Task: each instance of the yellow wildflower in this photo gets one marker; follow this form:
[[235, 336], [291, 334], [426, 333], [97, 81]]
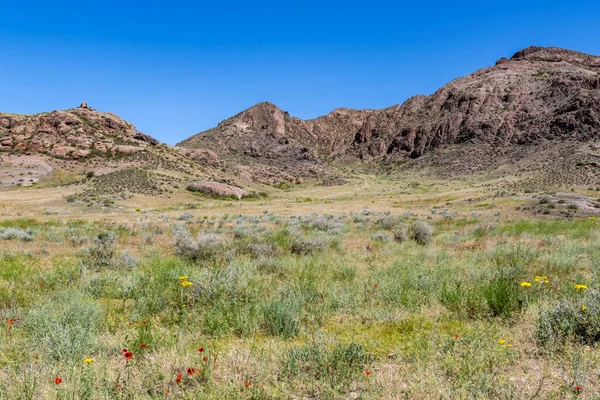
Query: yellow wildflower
[[183, 305], [583, 307], [525, 284], [579, 287], [501, 341], [183, 278], [88, 360], [186, 283], [539, 278], [509, 345]]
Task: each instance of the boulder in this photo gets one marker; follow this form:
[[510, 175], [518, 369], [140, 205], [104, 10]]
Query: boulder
[[77, 154], [124, 149], [217, 189]]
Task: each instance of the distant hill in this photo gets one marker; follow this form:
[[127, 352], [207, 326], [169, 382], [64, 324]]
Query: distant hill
[[538, 95]]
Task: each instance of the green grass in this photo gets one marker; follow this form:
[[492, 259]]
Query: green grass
[[315, 306]]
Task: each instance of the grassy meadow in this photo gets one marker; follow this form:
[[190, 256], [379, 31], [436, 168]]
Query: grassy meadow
[[347, 299]]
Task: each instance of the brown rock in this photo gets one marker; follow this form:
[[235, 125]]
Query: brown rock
[[77, 154], [216, 189]]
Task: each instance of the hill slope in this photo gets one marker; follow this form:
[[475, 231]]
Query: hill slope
[[539, 94]]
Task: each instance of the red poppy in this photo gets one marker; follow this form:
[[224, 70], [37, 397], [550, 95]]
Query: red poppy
[[144, 345], [58, 381], [10, 322], [456, 336], [201, 349], [128, 355], [118, 387], [248, 384], [367, 373], [190, 371], [204, 359], [375, 286], [144, 323], [579, 388], [178, 378], [123, 351], [472, 308]]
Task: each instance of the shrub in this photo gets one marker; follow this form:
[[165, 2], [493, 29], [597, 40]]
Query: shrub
[[282, 317], [15, 233], [337, 366], [421, 232], [381, 237], [503, 295], [186, 216], [303, 245], [205, 247], [570, 320], [389, 222], [103, 250], [65, 327], [400, 234]]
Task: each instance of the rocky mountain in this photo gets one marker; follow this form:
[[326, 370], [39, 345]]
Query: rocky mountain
[[82, 145], [72, 134], [538, 95]]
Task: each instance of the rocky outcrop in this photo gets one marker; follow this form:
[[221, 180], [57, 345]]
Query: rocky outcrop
[[75, 134], [216, 189]]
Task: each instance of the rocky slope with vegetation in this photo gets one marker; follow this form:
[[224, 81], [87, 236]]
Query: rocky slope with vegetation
[[538, 95]]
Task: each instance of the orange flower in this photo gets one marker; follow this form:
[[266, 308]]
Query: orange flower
[[367, 372], [128, 355], [456, 336], [10, 322], [248, 384], [58, 381]]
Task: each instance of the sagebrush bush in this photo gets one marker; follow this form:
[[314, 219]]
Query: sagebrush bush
[[205, 247], [570, 320], [400, 234], [389, 221], [421, 232], [303, 245], [15, 233], [103, 250], [65, 327], [282, 317]]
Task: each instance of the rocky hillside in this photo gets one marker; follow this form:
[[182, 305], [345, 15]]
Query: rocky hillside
[[538, 95], [72, 134]]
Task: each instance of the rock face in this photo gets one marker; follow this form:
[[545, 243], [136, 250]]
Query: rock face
[[216, 189], [537, 95], [73, 134]]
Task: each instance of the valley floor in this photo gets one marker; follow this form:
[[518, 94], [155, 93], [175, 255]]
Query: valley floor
[[374, 289]]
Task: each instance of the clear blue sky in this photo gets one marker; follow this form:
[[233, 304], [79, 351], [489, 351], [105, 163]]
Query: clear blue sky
[[175, 68]]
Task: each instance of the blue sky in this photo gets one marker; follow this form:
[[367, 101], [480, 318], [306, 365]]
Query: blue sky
[[177, 68]]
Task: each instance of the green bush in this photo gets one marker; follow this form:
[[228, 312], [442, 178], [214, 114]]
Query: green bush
[[503, 295], [336, 366], [421, 232], [282, 317], [570, 320]]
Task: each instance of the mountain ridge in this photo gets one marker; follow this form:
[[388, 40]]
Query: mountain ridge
[[540, 93]]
